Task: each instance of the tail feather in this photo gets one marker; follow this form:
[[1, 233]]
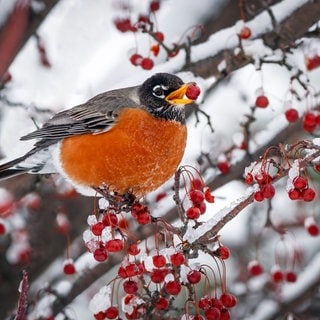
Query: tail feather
[[8, 169]]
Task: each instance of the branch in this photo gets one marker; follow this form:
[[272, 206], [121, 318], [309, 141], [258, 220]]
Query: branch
[[289, 30]]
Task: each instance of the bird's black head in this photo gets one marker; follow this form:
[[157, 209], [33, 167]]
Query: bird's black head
[[163, 96]]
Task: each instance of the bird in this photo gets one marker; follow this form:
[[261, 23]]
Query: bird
[[130, 140]]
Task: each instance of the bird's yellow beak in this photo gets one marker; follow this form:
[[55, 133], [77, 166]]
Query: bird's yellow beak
[[178, 96]]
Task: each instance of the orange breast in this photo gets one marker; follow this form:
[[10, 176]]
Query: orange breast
[[138, 154]]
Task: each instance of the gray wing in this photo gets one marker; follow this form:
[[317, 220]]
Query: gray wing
[[96, 115]]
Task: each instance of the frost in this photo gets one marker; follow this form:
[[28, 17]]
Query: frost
[[101, 300], [169, 277], [63, 287], [316, 141], [106, 234], [103, 203], [129, 302], [148, 263], [92, 219]]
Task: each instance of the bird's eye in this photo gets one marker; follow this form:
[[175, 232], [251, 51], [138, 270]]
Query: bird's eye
[[158, 91]]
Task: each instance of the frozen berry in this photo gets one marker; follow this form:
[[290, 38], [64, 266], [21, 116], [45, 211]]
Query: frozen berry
[[300, 182], [194, 276], [173, 287]]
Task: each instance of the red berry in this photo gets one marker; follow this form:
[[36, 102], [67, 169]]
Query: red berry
[[262, 101], [177, 259], [308, 194], [277, 275], [132, 269], [311, 226], [224, 167], [228, 300], [212, 313], [294, 194], [159, 261], [155, 49], [143, 218], [309, 122], [255, 268], [173, 287], [249, 178], [225, 314], [317, 167], [204, 303], [112, 313], [110, 219], [208, 195], [215, 302], [312, 63], [123, 24], [268, 191], [258, 196], [97, 228], [202, 207], [193, 213], [2, 228], [196, 196], [133, 249], [245, 33], [193, 91], [222, 253], [136, 59], [300, 182], [130, 286], [162, 304], [196, 184], [194, 276], [69, 268], [100, 315], [158, 275], [100, 254], [159, 36], [154, 5], [291, 276], [198, 317], [292, 115], [147, 63], [114, 245]]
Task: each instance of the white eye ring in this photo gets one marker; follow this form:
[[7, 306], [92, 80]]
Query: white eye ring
[[158, 91]]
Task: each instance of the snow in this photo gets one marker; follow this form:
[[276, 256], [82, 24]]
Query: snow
[[96, 59], [101, 300]]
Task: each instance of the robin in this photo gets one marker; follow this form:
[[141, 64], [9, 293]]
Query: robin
[[130, 139]]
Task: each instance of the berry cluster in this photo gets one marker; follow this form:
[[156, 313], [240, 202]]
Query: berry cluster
[[146, 24], [310, 121], [299, 189], [277, 275], [155, 276], [198, 195], [152, 283], [265, 189]]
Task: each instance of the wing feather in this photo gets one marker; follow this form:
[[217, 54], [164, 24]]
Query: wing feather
[[96, 115]]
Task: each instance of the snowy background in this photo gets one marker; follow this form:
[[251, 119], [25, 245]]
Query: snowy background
[[89, 56]]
